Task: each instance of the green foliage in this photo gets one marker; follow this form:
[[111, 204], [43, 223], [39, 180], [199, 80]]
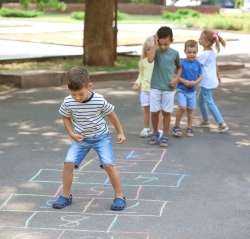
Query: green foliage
[[81, 15], [239, 3], [122, 16], [222, 22], [181, 14], [5, 12], [78, 15], [44, 4], [142, 1]]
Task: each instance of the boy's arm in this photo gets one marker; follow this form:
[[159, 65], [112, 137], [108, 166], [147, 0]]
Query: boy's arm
[[177, 78], [70, 130], [114, 120], [137, 83]]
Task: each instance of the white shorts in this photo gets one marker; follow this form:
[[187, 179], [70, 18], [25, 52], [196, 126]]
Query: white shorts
[[161, 101], [145, 98]]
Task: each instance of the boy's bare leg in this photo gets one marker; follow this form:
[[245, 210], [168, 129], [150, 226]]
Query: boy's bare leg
[[146, 116], [179, 114], [189, 118], [114, 178], [155, 121], [67, 178], [166, 122]]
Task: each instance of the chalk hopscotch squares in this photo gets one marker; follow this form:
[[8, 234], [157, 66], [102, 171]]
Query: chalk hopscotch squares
[[86, 212], [99, 206]]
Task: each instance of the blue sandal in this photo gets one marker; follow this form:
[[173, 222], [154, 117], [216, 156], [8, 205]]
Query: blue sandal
[[62, 202], [119, 204], [164, 141]]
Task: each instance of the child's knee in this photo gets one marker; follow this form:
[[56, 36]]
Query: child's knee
[[166, 114], [182, 109], [108, 167], [69, 166]]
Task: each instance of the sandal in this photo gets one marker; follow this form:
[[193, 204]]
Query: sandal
[[62, 202], [118, 204]]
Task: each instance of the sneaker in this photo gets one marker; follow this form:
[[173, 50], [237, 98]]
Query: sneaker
[[62, 202], [164, 141], [176, 131], [145, 132], [204, 124], [190, 132], [223, 128], [154, 139]]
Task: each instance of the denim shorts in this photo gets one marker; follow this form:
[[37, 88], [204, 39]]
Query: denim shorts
[[186, 99], [102, 144]]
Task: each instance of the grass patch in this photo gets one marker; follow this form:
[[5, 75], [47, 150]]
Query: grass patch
[[81, 15], [181, 14], [190, 18], [123, 63], [78, 15], [5, 12]]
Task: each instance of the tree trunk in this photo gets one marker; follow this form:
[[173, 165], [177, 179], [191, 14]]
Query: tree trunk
[[99, 33]]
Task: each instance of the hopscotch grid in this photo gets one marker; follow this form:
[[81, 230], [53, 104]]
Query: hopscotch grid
[[101, 172], [79, 172], [61, 234], [88, 205], [6, 201], [121, 214], [112, 224], [30, 218], [87, 163], [124, 184], [163, 207], [161, 159], [77, 230], [36, 175], [83, 197]]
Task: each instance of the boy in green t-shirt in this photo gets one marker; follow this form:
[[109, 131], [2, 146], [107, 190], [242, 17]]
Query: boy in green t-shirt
[[165, 76]]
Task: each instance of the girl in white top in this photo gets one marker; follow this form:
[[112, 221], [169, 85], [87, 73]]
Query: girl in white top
[[143, 81], [211, 79]]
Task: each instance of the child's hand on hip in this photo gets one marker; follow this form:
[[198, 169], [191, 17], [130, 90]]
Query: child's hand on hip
[[77, 137], [120, 138]]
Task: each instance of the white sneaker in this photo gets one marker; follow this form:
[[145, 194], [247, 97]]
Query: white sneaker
[[145, 133], [223, 128]]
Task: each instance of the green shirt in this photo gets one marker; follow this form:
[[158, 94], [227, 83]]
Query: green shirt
[[145, 74], [165, 67]]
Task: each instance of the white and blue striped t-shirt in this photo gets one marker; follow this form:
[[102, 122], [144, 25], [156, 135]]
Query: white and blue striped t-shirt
[[88, 116]]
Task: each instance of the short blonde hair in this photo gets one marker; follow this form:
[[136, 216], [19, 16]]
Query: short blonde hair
[[190, 43], [148, 43]]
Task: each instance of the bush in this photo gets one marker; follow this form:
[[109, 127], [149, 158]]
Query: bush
[[78, 15], [121, 16], [5, 12], [181, 14], [239, 3], [44, 4]]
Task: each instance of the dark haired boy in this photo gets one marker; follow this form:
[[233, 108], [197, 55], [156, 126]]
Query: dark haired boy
[[163, 82], [83, 113]]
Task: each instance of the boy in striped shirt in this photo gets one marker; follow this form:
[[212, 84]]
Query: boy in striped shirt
[[83, 113]]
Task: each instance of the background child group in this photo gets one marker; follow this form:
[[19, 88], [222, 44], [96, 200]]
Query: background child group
[[162, 73]]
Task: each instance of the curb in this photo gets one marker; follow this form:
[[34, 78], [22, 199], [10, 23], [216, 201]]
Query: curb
[[36, 79]]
